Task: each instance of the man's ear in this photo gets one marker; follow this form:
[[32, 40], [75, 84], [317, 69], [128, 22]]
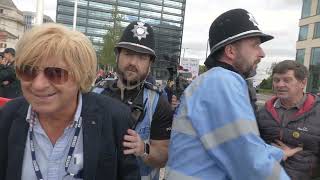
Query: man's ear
[[304, 83], [230, 51]]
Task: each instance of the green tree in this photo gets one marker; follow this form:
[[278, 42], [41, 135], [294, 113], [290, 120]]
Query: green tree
[[107, 57], [267, 83], [202, 69]]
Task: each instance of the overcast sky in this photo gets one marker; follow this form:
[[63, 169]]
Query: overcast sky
[[279, 18]]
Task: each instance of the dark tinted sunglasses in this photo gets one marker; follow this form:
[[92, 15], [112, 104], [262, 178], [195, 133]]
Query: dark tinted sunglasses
[[54, 74]]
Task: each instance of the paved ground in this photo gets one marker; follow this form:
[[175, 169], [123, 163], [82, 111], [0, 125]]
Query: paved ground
[[262, 98]]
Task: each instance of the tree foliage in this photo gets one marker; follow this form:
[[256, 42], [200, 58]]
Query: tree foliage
[[202, 69], [267, 83], [107, 57]]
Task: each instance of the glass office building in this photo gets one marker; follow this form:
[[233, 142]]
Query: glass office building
[[308, 44], [165, 16]]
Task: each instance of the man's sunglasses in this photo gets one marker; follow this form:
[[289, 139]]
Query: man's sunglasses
[[54, 74]]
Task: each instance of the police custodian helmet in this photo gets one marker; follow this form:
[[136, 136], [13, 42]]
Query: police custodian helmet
[[138, 37], [232, 26]]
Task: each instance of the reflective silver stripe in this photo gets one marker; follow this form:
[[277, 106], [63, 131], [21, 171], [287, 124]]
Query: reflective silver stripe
[[175, 175], [275, 174], [182, 124], [233, 37], [228, 132], [138, 45]]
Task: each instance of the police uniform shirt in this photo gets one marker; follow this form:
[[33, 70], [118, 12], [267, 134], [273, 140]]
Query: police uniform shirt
[[162, 117]]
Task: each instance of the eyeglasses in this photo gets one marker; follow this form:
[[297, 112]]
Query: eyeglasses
[[54, 74]]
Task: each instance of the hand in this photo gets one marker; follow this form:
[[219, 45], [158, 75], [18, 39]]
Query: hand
[[174, 102], [288, 152], [133, 143]]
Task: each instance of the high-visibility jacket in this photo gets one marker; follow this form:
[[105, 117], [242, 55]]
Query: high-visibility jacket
[[215, 134]]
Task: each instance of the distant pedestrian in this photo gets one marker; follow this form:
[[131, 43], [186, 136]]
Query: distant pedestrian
[[9, 83]]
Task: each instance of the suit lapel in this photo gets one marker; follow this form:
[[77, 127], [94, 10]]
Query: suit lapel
[[17, 140], [91, 133]]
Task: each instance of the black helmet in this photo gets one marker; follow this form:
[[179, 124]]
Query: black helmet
[[232, 26], [138, 37]]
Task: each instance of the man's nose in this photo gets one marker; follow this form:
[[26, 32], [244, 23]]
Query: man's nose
[[40, 81]]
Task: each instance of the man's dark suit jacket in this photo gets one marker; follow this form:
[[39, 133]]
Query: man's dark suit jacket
[[105, 121]]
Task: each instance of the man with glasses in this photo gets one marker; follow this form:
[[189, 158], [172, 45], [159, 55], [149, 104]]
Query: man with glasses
[[149, 138], [59, 130]]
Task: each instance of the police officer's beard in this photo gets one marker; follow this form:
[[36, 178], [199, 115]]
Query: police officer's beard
[[131, 83], [243, 67]]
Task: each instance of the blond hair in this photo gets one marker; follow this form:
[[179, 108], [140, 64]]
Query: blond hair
[[54, 40]]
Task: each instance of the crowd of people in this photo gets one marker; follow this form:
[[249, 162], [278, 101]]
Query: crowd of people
[[63, 123]]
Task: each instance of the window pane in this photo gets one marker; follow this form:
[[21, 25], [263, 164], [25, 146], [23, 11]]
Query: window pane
[[129, 17], [150, 14], [101, 6], [318, 7], [128, 3], [315, 56], [81, 29], [300, 56], [97, 14], [172, 10], [303, 34], [151, 7], [128, 10], [96, 31], [150, 21], [171, 17], [316, 33], [306, 8], [173, 3]]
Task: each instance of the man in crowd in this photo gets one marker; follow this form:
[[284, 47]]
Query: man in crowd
[[9, 84], [148, 140], [58, 130], [214, 132], [290, 120]]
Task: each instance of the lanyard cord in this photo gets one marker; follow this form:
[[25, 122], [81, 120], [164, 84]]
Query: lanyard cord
[[70, 153]]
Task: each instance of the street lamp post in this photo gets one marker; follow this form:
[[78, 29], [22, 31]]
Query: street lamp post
[[184, 50], [39, 17], [75, 15]]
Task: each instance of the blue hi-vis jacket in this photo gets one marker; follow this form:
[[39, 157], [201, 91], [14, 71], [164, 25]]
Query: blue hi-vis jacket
[[143, 129], [215, 134]]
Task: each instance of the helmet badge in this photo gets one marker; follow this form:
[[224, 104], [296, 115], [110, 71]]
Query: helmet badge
[[140, 31], [252, 19]]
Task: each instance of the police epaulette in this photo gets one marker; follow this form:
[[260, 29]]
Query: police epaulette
[[153, 87]]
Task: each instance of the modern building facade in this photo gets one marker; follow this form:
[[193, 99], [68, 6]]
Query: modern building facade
[[11, 24], [308, 44], [30, 19], [94, 17]]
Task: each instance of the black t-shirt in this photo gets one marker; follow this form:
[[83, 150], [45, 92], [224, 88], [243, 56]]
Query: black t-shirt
[[162, 117]]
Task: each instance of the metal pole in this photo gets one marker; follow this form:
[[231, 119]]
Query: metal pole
[[39, 17], [75, 15], [184, 50]]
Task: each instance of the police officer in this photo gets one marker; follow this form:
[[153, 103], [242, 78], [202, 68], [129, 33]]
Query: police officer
[[214, 133], [152, 113], [9, 84]]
